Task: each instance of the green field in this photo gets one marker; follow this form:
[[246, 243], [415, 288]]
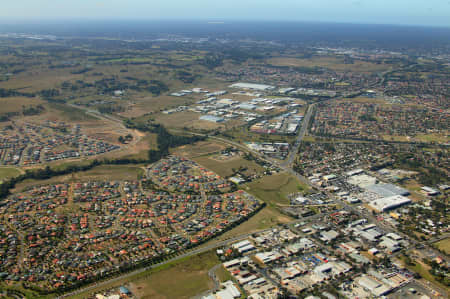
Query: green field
[[184, 278], [71, 113], [274, 189], [226, 168], [111, 172], [444, 245], [8, 172]]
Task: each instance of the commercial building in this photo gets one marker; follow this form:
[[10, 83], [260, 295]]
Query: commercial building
[[389, 203], [211, 118], [387, 190], [259, 87]]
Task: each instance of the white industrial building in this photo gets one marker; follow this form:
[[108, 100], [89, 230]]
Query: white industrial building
[[259, 87], [389, 203]]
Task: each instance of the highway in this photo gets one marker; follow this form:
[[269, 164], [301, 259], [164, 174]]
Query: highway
[[302, 132]]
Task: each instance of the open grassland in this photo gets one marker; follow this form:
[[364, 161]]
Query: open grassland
[[14, 104], [199, 149], [333, 63], [183, 278], [228, 167], [111, 172], [444, 245], [154, 104], [140, 150], [433, 137], [186, 119], [67, 113], [274, 189], [8, 172]]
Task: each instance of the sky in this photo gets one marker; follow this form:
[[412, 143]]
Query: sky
[[407, 12]]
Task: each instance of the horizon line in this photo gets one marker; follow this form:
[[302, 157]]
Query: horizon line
[[71, 20]]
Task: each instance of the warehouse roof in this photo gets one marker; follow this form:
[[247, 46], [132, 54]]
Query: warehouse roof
[[386, 190]]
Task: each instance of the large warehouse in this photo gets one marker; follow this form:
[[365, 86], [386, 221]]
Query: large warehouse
[[387, 190], [259, 87], [388, 203]]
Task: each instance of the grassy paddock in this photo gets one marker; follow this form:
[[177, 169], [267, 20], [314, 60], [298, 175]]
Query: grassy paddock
[[8, 172], [444, 245], [274, 189], [179, 279], [225, 168]]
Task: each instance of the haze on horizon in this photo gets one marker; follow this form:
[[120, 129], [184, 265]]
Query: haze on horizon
[[399, 12]]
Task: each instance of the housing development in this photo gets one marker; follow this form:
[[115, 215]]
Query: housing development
[[221, 166]]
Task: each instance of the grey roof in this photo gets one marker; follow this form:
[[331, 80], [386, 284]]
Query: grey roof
[[387, 190]]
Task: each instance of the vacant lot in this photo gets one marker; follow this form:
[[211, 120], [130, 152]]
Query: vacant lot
[[111, 172], [182, 280], [444, 245], [274, 189], [186, 119], [14, 104], [199, 149], [227, 168], [149, 104], [334, 63], [8, 172]]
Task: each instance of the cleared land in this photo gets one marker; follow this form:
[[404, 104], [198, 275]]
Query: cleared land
[[334, 63], [444, 245], [14, 104], [199, 149], [274, 189], [8, 172], [227, 168], [190, 275], [186, 119]]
